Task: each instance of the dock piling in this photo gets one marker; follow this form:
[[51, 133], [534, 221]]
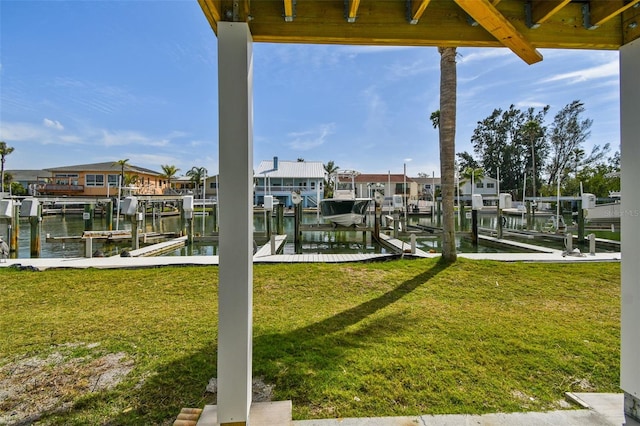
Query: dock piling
[[14, 229], [88, 247], [35, 233]]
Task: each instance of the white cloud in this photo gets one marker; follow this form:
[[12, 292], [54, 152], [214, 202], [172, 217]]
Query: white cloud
[[417, 67], [127, 137], [54, 124], [479, 54], [609, 69], [309, 139], [530, 104]]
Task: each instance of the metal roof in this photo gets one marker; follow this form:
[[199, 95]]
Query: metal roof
[[291, 169]]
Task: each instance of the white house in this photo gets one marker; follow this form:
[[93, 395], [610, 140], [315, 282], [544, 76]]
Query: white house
[[281, 178], [485, 186]]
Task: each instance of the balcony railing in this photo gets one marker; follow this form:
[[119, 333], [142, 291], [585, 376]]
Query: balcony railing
[[285, 188], [51, 187]]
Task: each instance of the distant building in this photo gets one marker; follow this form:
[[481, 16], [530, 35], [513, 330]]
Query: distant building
[[387, 184], [101, 180], [485, 186], [428, 187], [183, 185], [29, 179], [281, 178]]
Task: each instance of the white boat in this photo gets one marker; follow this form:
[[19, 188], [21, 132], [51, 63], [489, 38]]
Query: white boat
[[606, 213], [344, 208]]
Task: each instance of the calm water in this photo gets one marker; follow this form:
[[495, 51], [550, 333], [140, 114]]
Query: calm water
[[313, 242]]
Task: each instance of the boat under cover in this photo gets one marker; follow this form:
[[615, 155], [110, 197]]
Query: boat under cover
[[343, 211]]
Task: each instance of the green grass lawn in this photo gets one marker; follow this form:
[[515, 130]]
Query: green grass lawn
[[348, 340], [608, 235]]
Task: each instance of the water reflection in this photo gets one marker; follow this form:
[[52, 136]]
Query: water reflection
[[312, 242]]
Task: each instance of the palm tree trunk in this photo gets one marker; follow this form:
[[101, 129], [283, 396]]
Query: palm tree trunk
[[448, 85]]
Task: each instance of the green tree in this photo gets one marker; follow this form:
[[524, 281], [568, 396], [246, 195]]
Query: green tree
[[466, 160], [534, 134], [130, 179], [168, 172], [123, 164], [502, 142], [196, 175], [470, 174], [446, 123], [330, 169], [18, 189], [435, 118], [4, 151], [568, 132]]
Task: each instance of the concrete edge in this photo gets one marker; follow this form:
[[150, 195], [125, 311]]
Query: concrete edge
[[572, 397]]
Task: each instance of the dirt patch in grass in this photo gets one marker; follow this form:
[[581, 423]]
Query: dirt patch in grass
[[33, 386]]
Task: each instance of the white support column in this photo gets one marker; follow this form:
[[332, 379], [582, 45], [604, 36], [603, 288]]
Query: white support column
[[235, 98], [630, 225]]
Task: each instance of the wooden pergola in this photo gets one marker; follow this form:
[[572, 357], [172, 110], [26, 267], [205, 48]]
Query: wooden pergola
[[523, 26]]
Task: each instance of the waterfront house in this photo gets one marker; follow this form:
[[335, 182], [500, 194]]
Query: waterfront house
[[29, 179], [185, 186], [487, 186], [428, 187], [101, 180], [387, 184], [281, 178]]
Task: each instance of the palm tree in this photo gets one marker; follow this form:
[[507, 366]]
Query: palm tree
[[446, 121], [130, 179], [122, 163], [169, 171], [4, 151], [196, 174], [435, 118], [533, 131], [471, 174], [330, 169]]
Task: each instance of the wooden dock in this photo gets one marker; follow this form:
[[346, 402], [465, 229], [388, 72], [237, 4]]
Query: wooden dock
[[402, 247], [520, 246], [265, 250], [156, 249]]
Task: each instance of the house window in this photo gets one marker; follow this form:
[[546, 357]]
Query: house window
[[479, 185], [313, 185], [400, 186], [66, 179], [112, 180], [491, 185], [94, 180]]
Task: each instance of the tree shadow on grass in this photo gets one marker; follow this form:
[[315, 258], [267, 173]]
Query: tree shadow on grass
[[309, 357], [295, 361]]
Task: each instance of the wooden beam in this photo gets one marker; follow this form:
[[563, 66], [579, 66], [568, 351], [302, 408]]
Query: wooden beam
[[352, 12], [630, 25], [211, 10], [485, 14], [288, 10], [602, 10], [542, 10], [443, 24], [417, 10]]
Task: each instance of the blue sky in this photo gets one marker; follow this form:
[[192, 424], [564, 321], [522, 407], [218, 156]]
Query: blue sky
[[84, 82]]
